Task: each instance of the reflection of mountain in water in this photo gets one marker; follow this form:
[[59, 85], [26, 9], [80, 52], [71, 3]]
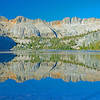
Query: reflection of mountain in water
[[67, 66]]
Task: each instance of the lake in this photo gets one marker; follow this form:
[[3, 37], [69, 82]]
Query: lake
[[50, 75]]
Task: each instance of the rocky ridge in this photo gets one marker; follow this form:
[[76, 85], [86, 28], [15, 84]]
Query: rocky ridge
[[67, 26]]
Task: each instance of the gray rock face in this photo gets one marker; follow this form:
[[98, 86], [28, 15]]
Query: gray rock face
[[66, 27], [24, 27], [3, 30], [91, 38], [45, 29], [24, 30], [1, 26]]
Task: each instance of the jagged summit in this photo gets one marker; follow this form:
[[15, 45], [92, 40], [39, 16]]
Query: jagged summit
[[20, 19], [66, 20]]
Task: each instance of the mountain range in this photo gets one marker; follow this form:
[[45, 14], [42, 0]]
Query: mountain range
[[84, 31]]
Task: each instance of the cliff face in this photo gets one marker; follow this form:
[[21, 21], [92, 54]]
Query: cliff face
[[22, 27], [76, 26], [66, 27]]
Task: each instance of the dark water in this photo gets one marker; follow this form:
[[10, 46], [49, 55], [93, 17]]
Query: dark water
[[6, 43], [50, 76], [6, 57]]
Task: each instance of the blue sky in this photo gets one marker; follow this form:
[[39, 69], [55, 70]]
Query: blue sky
[[50, 9]]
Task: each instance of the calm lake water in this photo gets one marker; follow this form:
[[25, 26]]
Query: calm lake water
[[50, 75], [6, 43]]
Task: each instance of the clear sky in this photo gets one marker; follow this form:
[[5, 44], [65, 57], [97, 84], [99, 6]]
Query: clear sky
[[50, 9]]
